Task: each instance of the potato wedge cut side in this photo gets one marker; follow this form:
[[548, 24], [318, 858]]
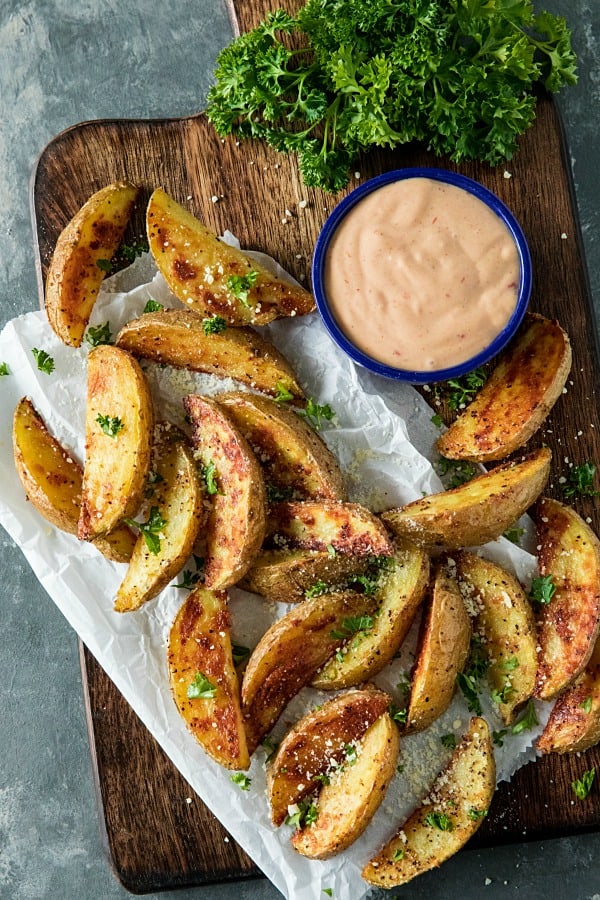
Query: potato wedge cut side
[[296, 461], [505, 622], [456, 806], [442, 651], [74, 276], [213, 278], [290, 652], [569, 552], [396, 602], [324, 524], [285, 576], [574, 723], [178, 499], [52, 481], [516, 398], [346, 805], [119, 427], [177, 337], [203, 677], [237, 517], [318, 744], [476, 512]]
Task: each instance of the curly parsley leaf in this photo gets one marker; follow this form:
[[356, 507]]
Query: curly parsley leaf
[[151, 529], [242, 780], [303, 813], [4, 370], [580, 481], [209, 474], [582, 786], [43, 360], [110, 425], [241, 285], [214, 325], [527, 721], [152, 306], [542, 589], [315, 413], [201, 688], [98, 334], [440, 821]]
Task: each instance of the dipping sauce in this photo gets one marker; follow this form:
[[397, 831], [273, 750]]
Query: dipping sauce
[[421, 275]]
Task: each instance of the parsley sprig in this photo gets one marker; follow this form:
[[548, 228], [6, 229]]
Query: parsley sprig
[[240, 286], [582, 786], [201, 688], [4, 370], [151, 529], [98, 334], [580, 481], [542, 589], [110, 425], [43, 360]]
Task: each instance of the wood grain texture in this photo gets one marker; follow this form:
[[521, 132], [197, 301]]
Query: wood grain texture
[[154, 837]]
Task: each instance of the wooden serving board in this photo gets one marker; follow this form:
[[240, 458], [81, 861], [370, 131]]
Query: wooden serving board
[[156, 838]]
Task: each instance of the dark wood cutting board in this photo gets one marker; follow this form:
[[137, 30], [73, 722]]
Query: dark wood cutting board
[[155, 836]]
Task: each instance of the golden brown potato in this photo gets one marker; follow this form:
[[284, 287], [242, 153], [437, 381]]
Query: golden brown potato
[[396, 601], [516, 398], [449, 816], [442, 651], [348, 802], [574, 723], [74, 276], [504, 620], [212, 277], [289, 654], [175, 513], [569, 552], [285, 576], [318, 744], [52, 481], [326, 524], [237, 516], [119, 426], [296, 462], [177, 337], [203, 677], [476, 512]]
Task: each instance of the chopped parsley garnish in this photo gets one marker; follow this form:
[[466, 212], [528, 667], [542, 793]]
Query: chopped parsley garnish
[[476, 814], [316, 412], [152, 306], [352, 625], [209, 473], [43, 360], [459, 470], [404, 684], [242, 780], [440, 821], [240, 285], [105, 265], [437, 420], [514, 534], [268, 743], [351, 753], [214, 325], [462, 390], [98, 334], [580, 481], [283, 395], [498, 737], [151, 529], [582, 786], [324, 779], [542, 589], [468, 681], [527, 721], [110, 425], [586, 705], [448, 741], [398, 715], [188, 580], [4, 369], [328, 891], [398, 854], [201, 688], [240, 654], [318, 588], [129, 252], [469, 688], [305, 813]]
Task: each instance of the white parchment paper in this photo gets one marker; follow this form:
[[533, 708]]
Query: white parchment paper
[[383, 436]]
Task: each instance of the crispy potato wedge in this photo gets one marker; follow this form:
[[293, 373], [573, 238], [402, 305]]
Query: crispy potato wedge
[[286, 575], [74, 276], [52, 481], [290, 652], [504, 620], [318, 744], [178, 499], [296, 462], [396, 602], [346, 805], [574, 723], [516, 398], [119, 427], [203, 677], [212, 277], [476, 512], [237, 516], [324, 524], [450, 815], [442, 651], [569, 552], [177, 337]]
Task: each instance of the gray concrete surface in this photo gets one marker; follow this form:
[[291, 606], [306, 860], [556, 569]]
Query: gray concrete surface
[[61, 63]]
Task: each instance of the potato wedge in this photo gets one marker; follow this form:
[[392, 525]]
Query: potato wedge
[[450, 815], [52, 481], [397, 599], [476, 512], [290, 652], [177, 337], [177, 503], [574, 723], [203, 677], [569, 552], [286, 575], [442, 651], [505, 622], [324, 524], [237, 516], [296, 462], [212, 277], [119, 427], [318, 744], [346, 805], [74, 276], [516, 398]]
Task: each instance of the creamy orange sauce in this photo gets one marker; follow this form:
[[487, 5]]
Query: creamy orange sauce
[[421, 275]]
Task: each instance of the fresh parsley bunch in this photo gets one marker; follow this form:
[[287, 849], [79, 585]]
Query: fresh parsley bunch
[[345, 75]]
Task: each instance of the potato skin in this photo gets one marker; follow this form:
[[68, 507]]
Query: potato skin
[[74, 277], [324, 524], [285, 576], [574, 723], [516, 398]]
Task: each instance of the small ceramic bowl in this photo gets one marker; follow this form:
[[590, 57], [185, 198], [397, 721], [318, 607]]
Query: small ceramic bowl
[[415, 376]]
